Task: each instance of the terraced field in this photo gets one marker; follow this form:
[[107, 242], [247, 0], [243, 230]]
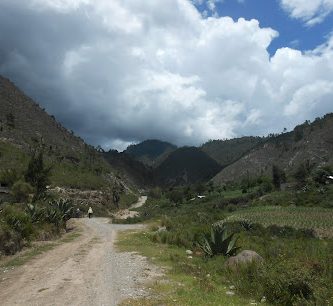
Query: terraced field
[[318, 219]]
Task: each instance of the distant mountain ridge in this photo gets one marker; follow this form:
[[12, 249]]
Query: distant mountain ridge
[[150, 152], [186, 165], [225, 152], [309, 142]]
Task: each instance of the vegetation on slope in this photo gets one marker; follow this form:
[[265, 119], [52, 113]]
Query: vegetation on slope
[[225, 152], [296, 267], [310, 143]]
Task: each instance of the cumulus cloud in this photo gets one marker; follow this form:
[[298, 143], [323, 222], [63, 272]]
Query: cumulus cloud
[[126, 70], [311, 12]]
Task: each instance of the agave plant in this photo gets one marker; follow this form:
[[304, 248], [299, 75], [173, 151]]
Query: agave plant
[[36, 214], [52, 215], [219, 242], [64, 207]]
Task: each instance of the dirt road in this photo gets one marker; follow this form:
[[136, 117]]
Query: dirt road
[[130, 213], [86, 271]]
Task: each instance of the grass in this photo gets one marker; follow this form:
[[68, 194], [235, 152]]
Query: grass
[[312, 218], [297, 267], [76, 176], [186, 281], [64, 173]]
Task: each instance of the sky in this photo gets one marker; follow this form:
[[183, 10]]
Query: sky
[[118, 72]]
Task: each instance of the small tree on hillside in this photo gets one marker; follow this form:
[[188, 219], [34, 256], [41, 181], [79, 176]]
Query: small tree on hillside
[[116, 196], [37, 174], [302, 172], [279, 176]]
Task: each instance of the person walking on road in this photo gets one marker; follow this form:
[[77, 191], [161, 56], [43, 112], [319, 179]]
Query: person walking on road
[[90, 212]]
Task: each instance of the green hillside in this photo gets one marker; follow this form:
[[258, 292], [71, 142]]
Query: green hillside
[[225, 152], [310, 144], [25, 128]]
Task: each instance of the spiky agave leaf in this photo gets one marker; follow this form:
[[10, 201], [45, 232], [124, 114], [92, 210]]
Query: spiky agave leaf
[[206, 247], [219, 242]]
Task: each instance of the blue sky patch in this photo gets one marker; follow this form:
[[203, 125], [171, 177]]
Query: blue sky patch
[[294, 33]]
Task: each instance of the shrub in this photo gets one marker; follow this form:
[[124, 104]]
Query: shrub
[[321, 174], [18, 220], [155, 193], [10, 241], [21, 191], [176, 196], [282, 283], [9, 176]]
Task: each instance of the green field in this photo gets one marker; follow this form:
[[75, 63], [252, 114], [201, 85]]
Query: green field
[[320, 220]]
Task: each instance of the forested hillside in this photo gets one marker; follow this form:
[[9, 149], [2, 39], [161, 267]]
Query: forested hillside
[[225, 152]]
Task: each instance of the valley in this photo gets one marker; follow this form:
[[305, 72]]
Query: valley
[[167, 220]]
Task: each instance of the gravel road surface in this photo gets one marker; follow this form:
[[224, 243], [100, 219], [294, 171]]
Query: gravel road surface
[[86, 271]]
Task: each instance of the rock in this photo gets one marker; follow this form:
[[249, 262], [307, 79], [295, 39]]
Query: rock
[[243, 258], [189, 252]]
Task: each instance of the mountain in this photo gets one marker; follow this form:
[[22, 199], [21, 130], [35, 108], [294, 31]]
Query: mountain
[[23, 122], [310, 143], [25, 126], [130, 169], [186, 165], [150, 152], [225, 152]]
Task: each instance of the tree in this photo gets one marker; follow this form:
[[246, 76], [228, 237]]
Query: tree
[[21, 191], [10, 120], [176, 196], [115, 196], [302, 172], [279, 176], [37, 173]]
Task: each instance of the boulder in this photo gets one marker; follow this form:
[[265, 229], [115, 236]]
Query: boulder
[[243, 258]]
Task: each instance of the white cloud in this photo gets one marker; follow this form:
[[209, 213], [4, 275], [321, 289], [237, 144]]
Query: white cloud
[[309, 11], [127, 70]]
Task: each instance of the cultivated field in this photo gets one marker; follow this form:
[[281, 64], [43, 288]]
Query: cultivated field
[[318, 219]]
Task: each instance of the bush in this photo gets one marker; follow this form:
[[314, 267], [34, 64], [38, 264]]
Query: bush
[[21, 191], [284, 283], [18, 220], [15, 229], [9, 176], [176, 196], [321, 174], [10, 241], [155, 193]]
